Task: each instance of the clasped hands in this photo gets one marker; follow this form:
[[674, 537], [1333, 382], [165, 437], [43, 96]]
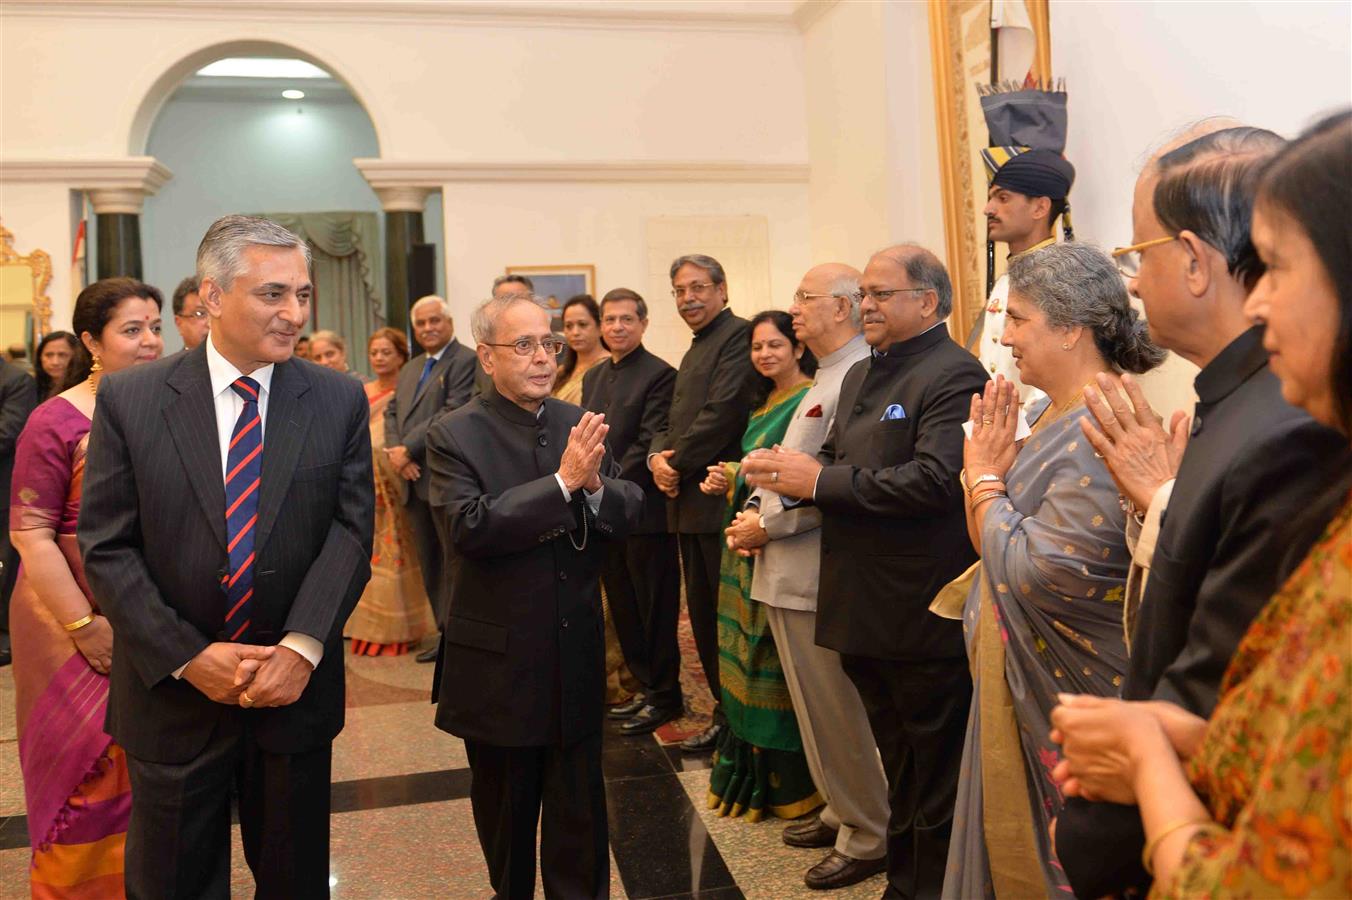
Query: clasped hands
[[1140, 455], [403, 463], [746, 534], [995, 419], [1106, 743], [249, 675], [580, 465]]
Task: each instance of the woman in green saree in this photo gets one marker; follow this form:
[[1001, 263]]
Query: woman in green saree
[[759, 766]]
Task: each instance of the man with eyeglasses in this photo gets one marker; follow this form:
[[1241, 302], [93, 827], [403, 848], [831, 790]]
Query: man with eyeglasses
[[642, 576], [841, 754], [1256, 478], [436, 381], [893, 533], [531, 502], [190, 314], [714, 391]]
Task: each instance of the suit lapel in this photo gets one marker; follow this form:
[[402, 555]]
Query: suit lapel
[[191, 420], [435, 376], [288, 423]]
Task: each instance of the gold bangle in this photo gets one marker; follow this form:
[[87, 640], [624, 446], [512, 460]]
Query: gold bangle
[[79, 623], [1153, 844]]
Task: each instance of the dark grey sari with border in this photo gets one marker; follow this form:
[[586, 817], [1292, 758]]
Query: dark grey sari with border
[[1044, 616]]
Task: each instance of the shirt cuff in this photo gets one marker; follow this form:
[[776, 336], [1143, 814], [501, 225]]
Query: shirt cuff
[[308, 647], [593, 500], [178, 673], [567, 497], [815, 481]]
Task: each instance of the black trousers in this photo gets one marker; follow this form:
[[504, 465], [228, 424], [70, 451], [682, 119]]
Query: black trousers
[[430, 557], [918, 714], [560, 788], [700, 558], [642, 576], [178, 842]]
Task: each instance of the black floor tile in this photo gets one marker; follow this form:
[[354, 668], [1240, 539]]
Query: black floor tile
[[661, 847], [13, 832], [400, 790], [687, 762], [639, 756]]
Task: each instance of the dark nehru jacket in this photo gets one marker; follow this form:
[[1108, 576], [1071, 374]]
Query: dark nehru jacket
[[893, 526], [523, 656], [635, 395], [714, 391], [1255, 488]]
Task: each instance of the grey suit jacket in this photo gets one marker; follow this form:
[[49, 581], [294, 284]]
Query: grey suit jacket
[[448, 387], [786, 574], [152, 534]]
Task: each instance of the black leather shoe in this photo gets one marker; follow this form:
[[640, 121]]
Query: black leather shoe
[[429, 655], [838, 870], [704, 741], [628, 708], [811, 833], [649, 718]]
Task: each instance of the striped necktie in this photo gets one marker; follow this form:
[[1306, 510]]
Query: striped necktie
[[243, 467]]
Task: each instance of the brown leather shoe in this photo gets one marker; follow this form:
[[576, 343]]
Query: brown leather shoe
[[838, 870], [812, 832]]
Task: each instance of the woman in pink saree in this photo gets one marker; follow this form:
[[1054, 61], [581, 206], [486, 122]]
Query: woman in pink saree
[[75, 777]]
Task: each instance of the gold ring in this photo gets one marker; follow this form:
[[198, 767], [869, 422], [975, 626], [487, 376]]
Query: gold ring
[[774, 477], [986, 421], [248, 701]]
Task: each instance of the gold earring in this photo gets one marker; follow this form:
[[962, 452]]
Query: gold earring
[[97, 367], [1065, 346]]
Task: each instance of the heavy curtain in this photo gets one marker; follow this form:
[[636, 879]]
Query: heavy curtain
[[348, 272]]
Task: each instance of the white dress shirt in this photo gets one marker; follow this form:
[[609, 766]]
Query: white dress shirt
[[229, 405]]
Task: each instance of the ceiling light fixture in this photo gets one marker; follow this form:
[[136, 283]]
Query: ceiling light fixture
[[293, 94]]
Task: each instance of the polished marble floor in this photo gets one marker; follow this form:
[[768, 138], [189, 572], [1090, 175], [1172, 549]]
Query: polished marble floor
[[402, 826]]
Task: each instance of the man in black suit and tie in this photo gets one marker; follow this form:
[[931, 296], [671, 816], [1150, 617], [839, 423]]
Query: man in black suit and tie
[[226, 530], [517, 477], [18, 397], [643, 575], [893, 533], [715, 387], [438, 380]]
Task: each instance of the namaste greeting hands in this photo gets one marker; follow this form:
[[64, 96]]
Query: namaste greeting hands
[[580, 465], [995, 418], [1139, 453]]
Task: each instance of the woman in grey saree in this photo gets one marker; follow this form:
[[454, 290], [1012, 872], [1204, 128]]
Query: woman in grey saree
[[1043, 614]]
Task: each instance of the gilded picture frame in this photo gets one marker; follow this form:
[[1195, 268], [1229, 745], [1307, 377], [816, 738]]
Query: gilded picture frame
[[25, 308], [555, 284]]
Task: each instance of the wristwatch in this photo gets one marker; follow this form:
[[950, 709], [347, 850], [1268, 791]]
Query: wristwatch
[[985, 477]]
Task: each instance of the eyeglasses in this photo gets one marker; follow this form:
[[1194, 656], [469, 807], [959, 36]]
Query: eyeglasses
[[1128, 259], [801, 297], [526, 346], [694, 289], [195, 314], [880, 296]]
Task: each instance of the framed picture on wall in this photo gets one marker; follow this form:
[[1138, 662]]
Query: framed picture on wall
[[555, 284]]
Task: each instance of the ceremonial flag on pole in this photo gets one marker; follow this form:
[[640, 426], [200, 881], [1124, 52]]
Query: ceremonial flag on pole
[[77, 257]]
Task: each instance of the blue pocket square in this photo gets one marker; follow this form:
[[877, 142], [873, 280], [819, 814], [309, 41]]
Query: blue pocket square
[[893, 412]]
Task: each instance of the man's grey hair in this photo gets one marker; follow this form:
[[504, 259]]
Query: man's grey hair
[[924, 270], [707, 263], [848, 286], [220, 255], [483, 323], [430, 300], [514, 279]]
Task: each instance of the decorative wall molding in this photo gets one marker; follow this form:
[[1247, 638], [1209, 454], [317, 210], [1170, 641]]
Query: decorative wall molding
[[747, 15], [403, 197], [143, 173], [397, 173]]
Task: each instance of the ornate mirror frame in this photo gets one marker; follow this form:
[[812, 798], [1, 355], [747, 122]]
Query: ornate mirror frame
[[23, 295]]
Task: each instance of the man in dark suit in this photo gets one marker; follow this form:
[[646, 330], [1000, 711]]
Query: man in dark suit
[[643, 575], [893, 533], [715, 388], [1254, 468], [438, 380], [226, 529], [18, 397], [518, 478]]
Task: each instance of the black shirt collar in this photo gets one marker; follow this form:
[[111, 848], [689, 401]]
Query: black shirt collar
[[509, 410], [714, 324], [1232, 366], [631, 357], [936, 335]]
